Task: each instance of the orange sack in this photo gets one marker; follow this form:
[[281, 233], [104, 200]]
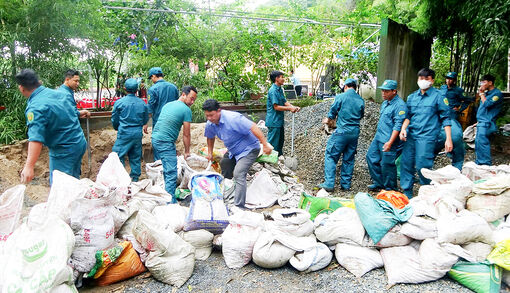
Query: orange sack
[[126, 266], [396, 198]]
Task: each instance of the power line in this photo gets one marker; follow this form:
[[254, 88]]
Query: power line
[[281, 19]]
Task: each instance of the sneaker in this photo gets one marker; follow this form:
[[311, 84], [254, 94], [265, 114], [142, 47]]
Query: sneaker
[[328, 189]]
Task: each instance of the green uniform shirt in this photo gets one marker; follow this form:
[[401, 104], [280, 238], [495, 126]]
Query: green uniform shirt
[[275, 96], [170, 121]]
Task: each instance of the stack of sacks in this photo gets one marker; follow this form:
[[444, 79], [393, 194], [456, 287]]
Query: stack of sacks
[[476, 172], [491, 197], [289, 232]]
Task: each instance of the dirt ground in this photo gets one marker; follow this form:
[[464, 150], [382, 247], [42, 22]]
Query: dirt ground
[[12, 159]]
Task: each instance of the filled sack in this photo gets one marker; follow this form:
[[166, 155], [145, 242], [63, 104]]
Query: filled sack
[[313, 259], [11, 205], [480, 277], [342, 226], [462, 228], [239, 238], [207, 209], [201, 241], [358, 260]]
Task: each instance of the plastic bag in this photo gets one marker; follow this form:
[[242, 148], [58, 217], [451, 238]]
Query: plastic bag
[[379, 216], [478, 250], [171, 260], [313, 259], [462, 228], [342, 226], [94, 228], [358, 260], [295, 222], [501, 255], [37, 258], [171, 216], [262, 192], [319, 205], [207, 209], [127, 265], [64, 190], [11, 204], [240, 237], [469, 135], [413, 264], [480, 277], [189, 167], [272, 158], [112, 173], [490, 207], [396, 198], [105, 258], [420, 227], [493, 185], [201, 241]]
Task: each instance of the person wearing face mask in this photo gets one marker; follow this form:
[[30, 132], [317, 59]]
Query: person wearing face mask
[[427, 112], [349, 107], [386, 146], [174, 116], [456, 103], [491, 101]]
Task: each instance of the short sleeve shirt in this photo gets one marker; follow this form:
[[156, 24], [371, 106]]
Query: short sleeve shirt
[[170, 121], [275, 96]]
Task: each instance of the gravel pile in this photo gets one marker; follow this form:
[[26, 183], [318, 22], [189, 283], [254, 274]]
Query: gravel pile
[[310, 144]]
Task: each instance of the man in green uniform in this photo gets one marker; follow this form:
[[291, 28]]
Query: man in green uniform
[[173, 117], [160, 93], [70, 85], [52, 120], [276, 105], [128, 117]]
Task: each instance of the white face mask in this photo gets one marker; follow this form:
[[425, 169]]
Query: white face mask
[[424, 84]]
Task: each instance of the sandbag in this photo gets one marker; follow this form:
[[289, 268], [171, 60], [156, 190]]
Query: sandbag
[[469, 135], [240, 237], [171, 260], [188, 167], [501, 255], [342, 226], [154, 172], [113, 174], [443, 175], [419, 227], [493, 185], [201, 241], [462, 228], [127, 265], [322, 205], [397, 199], [313, 259], [207, 209], [295, 222], [358, 260], [478, 250], [394, 237], [171, 216], [105, 258], [269, 253], [379, 216], [94, 229], [490, 207], [480, 277], [263, 191], [476, 172], [409, 264], [36, 258], [11, 204], [64, 190]]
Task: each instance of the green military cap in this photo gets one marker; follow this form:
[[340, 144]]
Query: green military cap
[[388, 85], [451, 74], [350, 80], [155, 70], [131, 85]]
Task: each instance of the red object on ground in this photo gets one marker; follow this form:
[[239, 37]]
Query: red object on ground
[[2, 108], [396, 198]]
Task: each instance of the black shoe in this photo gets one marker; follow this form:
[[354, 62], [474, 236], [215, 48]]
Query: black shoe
[[374, 187]]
